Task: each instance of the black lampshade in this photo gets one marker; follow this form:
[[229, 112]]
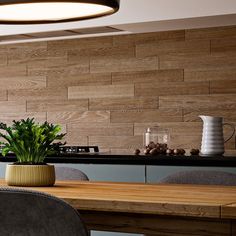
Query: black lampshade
[[54, 11]]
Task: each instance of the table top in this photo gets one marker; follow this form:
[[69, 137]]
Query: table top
[[160, 199]]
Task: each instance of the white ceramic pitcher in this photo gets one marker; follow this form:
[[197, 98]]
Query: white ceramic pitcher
[[212, 135]]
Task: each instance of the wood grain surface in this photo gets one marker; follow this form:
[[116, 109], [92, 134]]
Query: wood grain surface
[[138, 79], [157, 225], [168, 210], [177, 200]]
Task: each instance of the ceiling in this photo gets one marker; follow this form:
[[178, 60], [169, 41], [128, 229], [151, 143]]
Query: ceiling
[[134, 16]]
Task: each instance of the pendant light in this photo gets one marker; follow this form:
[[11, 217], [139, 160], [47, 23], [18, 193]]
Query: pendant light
[[54, 11]]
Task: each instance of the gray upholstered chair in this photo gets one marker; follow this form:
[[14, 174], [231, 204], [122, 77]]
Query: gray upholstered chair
[[201, 177], [31, 213], [66, 173]]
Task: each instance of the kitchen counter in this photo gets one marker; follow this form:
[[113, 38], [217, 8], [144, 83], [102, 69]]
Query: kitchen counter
[[130, 159]]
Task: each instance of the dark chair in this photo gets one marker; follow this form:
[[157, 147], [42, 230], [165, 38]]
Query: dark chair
[[66, 173], [31, 213], [201, 177]]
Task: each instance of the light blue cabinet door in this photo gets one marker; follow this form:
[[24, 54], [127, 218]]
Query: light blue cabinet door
[[156, 173], [114, 173], [2, 169]]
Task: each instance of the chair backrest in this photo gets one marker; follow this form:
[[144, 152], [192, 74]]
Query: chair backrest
[[67, 173], [31, 213], [201, 177]]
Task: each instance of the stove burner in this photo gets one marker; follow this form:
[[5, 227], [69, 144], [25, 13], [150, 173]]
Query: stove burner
[[78, 149]]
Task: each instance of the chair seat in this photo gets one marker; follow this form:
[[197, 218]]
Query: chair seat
[[67, 173], [201, 177], [31, 213]]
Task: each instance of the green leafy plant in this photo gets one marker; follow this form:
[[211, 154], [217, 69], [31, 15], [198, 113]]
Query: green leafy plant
[[31, 142]]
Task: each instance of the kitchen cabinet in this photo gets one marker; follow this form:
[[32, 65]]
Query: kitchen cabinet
[[114, 173], [106, 172], [156, 173]]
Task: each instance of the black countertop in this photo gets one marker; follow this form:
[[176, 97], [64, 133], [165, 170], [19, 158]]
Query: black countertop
[[126, 159]]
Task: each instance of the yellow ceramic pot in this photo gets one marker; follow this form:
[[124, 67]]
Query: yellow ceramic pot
[[30, 175]]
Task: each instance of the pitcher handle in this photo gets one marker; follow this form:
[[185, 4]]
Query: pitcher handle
[[233, 129]]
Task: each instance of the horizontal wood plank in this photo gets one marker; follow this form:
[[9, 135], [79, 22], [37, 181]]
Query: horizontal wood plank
[[227, 45], [133, 39], [223, 87], [167, 47], [175, 88], [23, 82], [60, 69], [221, 101], [210, 75], [79, 43], [126, 142], [136, 116], [12, 106], [123, 103], [182, 129], [147, 76], [78, 117], [192, 115], [211, 33], [37, 94], [13, 71], [34, 55], [191, 141], [103, 91], [9, 117], [58, 105], [123, 64], [101, 129], [79, 80], [26, 47], [198, 62], [114, 51]]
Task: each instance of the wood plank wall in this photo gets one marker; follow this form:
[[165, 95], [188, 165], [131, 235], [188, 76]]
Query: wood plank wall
[[105, 91]]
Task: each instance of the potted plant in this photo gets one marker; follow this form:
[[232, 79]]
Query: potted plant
[[31, 142]]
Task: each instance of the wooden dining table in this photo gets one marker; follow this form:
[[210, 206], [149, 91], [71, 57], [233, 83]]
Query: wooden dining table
[[150, 209]]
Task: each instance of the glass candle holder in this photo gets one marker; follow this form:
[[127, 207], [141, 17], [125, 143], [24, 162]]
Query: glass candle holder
[[156, 135]]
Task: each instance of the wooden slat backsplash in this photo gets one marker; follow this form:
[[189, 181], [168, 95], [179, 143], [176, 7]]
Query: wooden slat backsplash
[[106, 91]]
